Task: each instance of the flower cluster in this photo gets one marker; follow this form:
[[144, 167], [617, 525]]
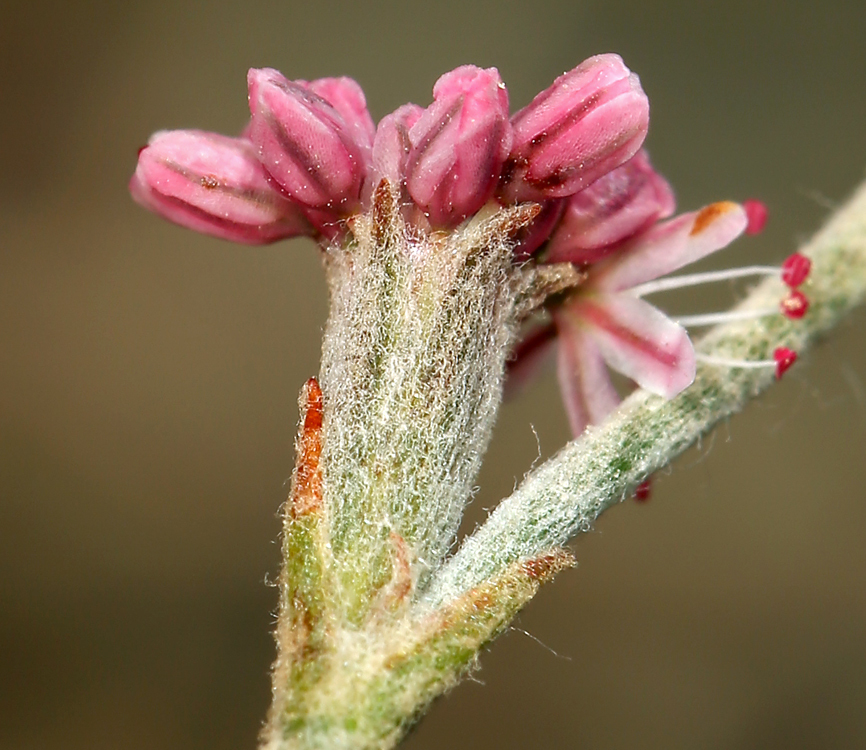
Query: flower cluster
[[311, 157], [311, 154]]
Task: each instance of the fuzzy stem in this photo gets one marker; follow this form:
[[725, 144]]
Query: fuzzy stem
[[565, 495], [390, 442]]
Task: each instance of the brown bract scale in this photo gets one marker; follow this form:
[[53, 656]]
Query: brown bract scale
[[543, 568], [306, 494]]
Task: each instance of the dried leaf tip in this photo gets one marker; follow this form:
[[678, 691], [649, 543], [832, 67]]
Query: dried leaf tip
[[306, 494]]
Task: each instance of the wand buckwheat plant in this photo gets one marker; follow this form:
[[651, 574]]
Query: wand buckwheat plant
[[460, 243]]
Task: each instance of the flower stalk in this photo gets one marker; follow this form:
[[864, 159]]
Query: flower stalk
[[389, 446]]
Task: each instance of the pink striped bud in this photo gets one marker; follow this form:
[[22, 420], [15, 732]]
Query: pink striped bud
[[615, 207], [215, 185], [586, 124], [391, 146], [317, 149], [459, 145]]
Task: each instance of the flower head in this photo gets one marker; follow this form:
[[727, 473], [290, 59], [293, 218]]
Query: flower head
[[319, 155], [311, 159]]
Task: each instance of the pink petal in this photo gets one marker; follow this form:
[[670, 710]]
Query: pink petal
[[587, 391], [670, 245], [347, 97], [638, 340]]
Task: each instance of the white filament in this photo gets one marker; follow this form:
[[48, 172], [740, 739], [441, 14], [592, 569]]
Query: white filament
[[741, 363], [711, 319], [693, 279]]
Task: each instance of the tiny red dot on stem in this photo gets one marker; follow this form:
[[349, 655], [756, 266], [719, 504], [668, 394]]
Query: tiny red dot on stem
[[643, 491]]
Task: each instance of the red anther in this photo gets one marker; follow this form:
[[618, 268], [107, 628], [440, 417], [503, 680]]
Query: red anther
[[784, 357], [795, 269], [756, 213], [795, 305], [643, 491]]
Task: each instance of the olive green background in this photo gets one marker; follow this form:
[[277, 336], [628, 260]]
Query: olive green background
[[148, 382]]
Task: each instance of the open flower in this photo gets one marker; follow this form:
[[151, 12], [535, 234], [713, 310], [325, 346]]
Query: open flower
[[605, 323]]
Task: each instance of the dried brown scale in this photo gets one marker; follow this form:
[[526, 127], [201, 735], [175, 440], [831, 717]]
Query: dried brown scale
[[307, 486]]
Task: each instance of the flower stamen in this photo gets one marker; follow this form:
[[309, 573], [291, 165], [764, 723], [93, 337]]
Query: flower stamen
[[783, 358], [795, 305], [793, 273], [711, 319], [795, 270], [757, 214]]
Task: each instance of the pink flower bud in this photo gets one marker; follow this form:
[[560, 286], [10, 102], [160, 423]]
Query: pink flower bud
[[215, 185], [459, 145], [391, 146], [317, 150], [586, 124], [615, 207]]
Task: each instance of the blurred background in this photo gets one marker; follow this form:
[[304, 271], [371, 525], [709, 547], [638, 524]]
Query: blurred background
[[149, 376]]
